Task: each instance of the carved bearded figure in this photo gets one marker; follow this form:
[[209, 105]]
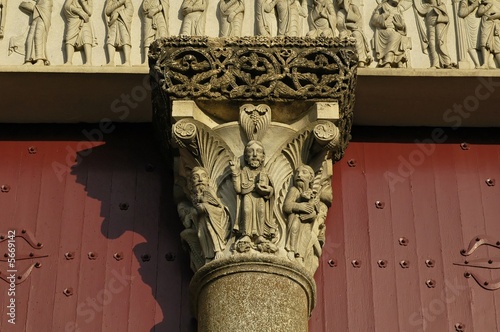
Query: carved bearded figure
[[306, 208], [120, 14], [232, 12], [36, 42], [193, 23], [79, 31], [322, 20], [155, 21], [213, 219], [489, 37], [349, 23], [390, 42], [253, 184]]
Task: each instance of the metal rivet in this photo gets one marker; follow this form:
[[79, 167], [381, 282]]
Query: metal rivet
[[429, 262], [478, 239], [31, 254], [170, 256], [490, 261], [486, 283], [466, 262], [23, 231], [32, 150], [467, 275], [459, 327], [146, 258], [2, 237], [69, 255], [379, 204], [38, 265], [430, 283], [39, 245], [464, 146], [498, 243], [4, 188], [351, 162], [68, 291], [124, 206], [150, 167], [404, 264], [355, 263], [19, 277], [463, 252], [403, 241], [490, 182], [332, 263], [5, 255], [92, 255], [118, 256], [382, 263]]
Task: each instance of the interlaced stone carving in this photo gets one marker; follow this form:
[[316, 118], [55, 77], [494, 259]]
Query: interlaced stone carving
[[256, 126]]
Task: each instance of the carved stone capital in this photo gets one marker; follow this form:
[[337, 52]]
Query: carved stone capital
[[257, 124]]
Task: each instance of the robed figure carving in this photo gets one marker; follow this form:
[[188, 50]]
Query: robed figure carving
[[194, 12], [120, 13], [155, 21], [79, 32]]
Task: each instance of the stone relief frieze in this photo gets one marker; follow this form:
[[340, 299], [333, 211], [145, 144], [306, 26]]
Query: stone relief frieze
[[450, 33]]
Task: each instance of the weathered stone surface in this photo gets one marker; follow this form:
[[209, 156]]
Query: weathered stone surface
[[252, 293]]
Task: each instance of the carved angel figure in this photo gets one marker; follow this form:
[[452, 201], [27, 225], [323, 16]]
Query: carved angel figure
[[254, 186], [232, 12], [390, 42], [120, 14], [213, 219], [79, 32], [322, 20], [193, 23], [36, 41], [434, 36], [489, 37], [3, 13], [155, 21], [349, 23], [306, 205], [466, 12]]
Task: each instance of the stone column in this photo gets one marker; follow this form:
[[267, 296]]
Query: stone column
[[255, 124]]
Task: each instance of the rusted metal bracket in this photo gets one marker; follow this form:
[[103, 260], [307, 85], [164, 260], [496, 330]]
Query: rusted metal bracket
[[492, 263], [478, 241], [488, 285], [19, 278], [26, 235]]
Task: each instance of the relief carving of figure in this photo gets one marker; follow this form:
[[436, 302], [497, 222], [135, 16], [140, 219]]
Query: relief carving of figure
[[232, 12], [466, 12], [306, 205], [34, 47], [193, 23], [155, 21], [390, 42], [120, 14], [79, 32], [349, 23], [213, 218], [434, 36], [289, 15], [322, 20], [254, 186], [489, 37], [263, 17], [3, 13]]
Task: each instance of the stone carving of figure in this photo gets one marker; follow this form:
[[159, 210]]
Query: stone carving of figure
[[232, 12], [322, 20], [193, 23], [3, 13], [390, 43], [36, 42], [79, 31], [254, 186], [466, 9], [349, 23], [289, 15], [213, 218], [120, 14], [155, 21], [306, 208], [489, 38], [263, 17], [434, 36]]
